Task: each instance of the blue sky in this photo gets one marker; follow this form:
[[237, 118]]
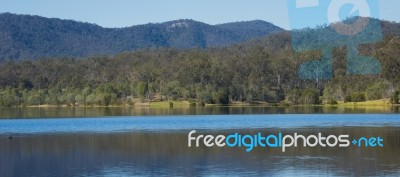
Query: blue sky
[[123, 13]]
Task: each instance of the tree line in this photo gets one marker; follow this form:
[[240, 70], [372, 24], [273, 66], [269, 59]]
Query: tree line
[[263, 70]]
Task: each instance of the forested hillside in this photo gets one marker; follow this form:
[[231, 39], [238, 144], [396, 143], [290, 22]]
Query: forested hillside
[[32, 37], [265, 69]]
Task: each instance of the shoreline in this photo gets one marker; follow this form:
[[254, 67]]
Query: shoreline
[[187, 104]]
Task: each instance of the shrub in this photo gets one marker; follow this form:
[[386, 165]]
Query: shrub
[[35, 99], [332, 102], [284, 103], [375, 91], [358, 97], [91, 99], [221, 96], [347, 99], [310, 96], [395, 97], [204, 97], [355, 97], [294, 96], [8, 101], [106, 100], [306, 96]]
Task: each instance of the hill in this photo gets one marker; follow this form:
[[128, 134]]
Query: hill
[[264, 69], [31, 37]]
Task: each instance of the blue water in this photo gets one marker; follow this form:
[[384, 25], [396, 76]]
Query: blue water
[[211, 122], [157, 146]]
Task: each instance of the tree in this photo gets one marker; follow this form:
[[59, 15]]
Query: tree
[[310, 96], [376, 91], [395, 97], [356, 97], [141, 89], [221, 96], [294, 96]]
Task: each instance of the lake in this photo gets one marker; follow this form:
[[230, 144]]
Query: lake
[[154, 142], [55, 112]]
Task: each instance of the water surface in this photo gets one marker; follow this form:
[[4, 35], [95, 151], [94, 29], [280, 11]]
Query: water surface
[[129, 142], [78, 112], [191, 122]]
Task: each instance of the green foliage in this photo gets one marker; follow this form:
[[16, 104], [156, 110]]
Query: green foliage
[[331, 91], [221, 96], [70, 99], [332, 102], [106, 99], [10, 97], [141, 90], [390, 60], [395, 97], [173, 90], [376, 91], [58, 38], [204, 95], [356, 97], [305, 96], [35, 98], [265, 69], [79, 99], [310, 96], [91, 99], [347, 99], [294, 96]]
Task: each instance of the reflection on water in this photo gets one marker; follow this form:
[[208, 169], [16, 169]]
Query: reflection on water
[[154, 154], [208, 110], [129, 142], [190, 122]]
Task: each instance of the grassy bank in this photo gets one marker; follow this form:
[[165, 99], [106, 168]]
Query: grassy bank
[[170, 104], [187, 104], [382, 102]]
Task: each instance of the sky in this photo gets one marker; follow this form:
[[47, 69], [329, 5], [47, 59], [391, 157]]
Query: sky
[[124, 13]]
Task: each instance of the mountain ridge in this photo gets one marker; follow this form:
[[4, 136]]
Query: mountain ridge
[[32, 36]]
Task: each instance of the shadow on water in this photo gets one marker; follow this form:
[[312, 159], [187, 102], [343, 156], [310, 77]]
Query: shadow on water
[[40, 150], [54, 112], [153, 154]]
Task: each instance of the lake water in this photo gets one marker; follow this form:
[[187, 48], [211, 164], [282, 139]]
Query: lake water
[[149, 142]]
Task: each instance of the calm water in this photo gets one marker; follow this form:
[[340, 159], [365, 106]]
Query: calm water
[[208, 110], [78, 142]]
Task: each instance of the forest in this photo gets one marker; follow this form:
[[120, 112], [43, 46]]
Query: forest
[[33, 37], [263, 70]]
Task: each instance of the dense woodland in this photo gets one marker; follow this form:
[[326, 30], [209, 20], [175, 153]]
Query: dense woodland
[[261, 70], [32, 37]]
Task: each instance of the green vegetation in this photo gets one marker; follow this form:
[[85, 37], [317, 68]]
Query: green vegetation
[[170, 104], [304, 96], [355, 97], [209, 76], [263, 70], [377, 104], [396, 97], [332, 102], [32, 37]]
